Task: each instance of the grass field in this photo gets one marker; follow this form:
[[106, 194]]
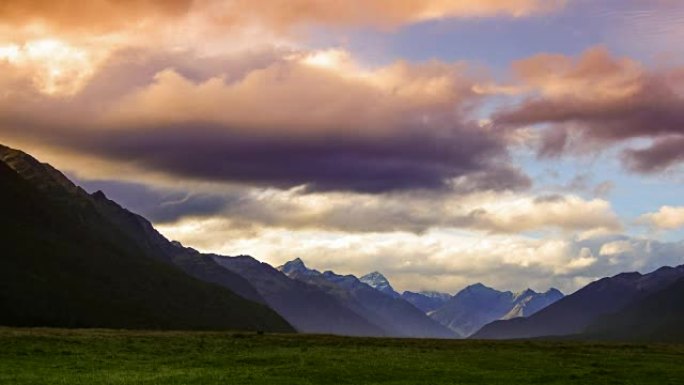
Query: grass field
[[56, 356]]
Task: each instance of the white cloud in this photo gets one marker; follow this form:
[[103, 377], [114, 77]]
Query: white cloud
[[442, 259], [616, 247], [667, 218]]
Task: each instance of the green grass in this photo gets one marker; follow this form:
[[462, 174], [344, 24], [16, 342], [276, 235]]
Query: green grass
[[58, 356]]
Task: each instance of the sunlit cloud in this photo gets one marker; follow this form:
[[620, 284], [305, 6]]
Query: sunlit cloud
[[445, 260], [107, 14], [401, 126], [268, 128], [54, 66], [666, 218]]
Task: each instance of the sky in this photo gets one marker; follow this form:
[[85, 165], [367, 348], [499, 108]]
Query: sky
[[517, 143]]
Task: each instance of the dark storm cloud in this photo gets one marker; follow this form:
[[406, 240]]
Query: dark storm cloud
[[418, 161], [156, 204], [662, 154]]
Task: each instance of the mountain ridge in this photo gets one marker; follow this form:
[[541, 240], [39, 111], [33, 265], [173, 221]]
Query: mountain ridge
[[65, 264], [477, 305], [572, 314], [395, 316]]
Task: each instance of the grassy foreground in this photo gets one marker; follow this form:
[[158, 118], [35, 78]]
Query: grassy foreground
[[56, 356]]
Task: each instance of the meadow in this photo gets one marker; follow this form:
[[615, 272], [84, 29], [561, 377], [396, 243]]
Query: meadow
[[59, 356]]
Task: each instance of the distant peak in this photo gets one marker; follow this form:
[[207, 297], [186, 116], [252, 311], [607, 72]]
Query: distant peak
[[379, 282], [375, 275], [375, 278], [296, 263], [478, 289], [477, 286], [524, 294], [99, 194], [296, 266], [629, 276], [553, 290], [527, 291]]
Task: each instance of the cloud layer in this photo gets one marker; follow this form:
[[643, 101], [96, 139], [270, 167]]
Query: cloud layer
[[287, 128], [109, 15], [598, 100], [667, 218], [316, 119], [440, 259]]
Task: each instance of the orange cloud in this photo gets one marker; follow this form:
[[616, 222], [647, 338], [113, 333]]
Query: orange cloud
[[307, 93], [91, 15], [112, 15], [596, 75], [384, 13]]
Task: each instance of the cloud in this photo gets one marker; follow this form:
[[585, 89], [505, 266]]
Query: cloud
[[440, 259], [667, 218], [598, 100], [483, 212], [564, 212], [109, 15], [97, 15], [379, 12], [305, 118], [662, 154], [158, 204]]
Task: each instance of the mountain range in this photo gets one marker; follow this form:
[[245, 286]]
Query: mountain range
[[477, 305], [658, 316], [395, 316], [426, 301], [305, 306], [74, 259], [580, 311]]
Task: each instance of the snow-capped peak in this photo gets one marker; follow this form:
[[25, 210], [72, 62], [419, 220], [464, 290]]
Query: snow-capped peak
[[379, 282]]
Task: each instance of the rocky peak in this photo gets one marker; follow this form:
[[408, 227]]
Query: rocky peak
[[296, 266], [379, 282]]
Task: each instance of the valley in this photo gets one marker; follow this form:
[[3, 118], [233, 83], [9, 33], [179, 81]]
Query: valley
[[93, 357]]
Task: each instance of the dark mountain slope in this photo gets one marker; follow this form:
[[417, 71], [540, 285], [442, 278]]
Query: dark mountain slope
[[64, 264], [572, 314], [198, 265], [135, 227], [657, 317]]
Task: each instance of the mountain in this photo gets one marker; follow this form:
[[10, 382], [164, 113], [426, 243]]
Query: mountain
[[574, 313], [297, 267], [478, 305], [378, 282], [306, 307], [657, 317], [529, 302], [138, 229], [426, 301], [396, 317], [200, 266], [65, 263]]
